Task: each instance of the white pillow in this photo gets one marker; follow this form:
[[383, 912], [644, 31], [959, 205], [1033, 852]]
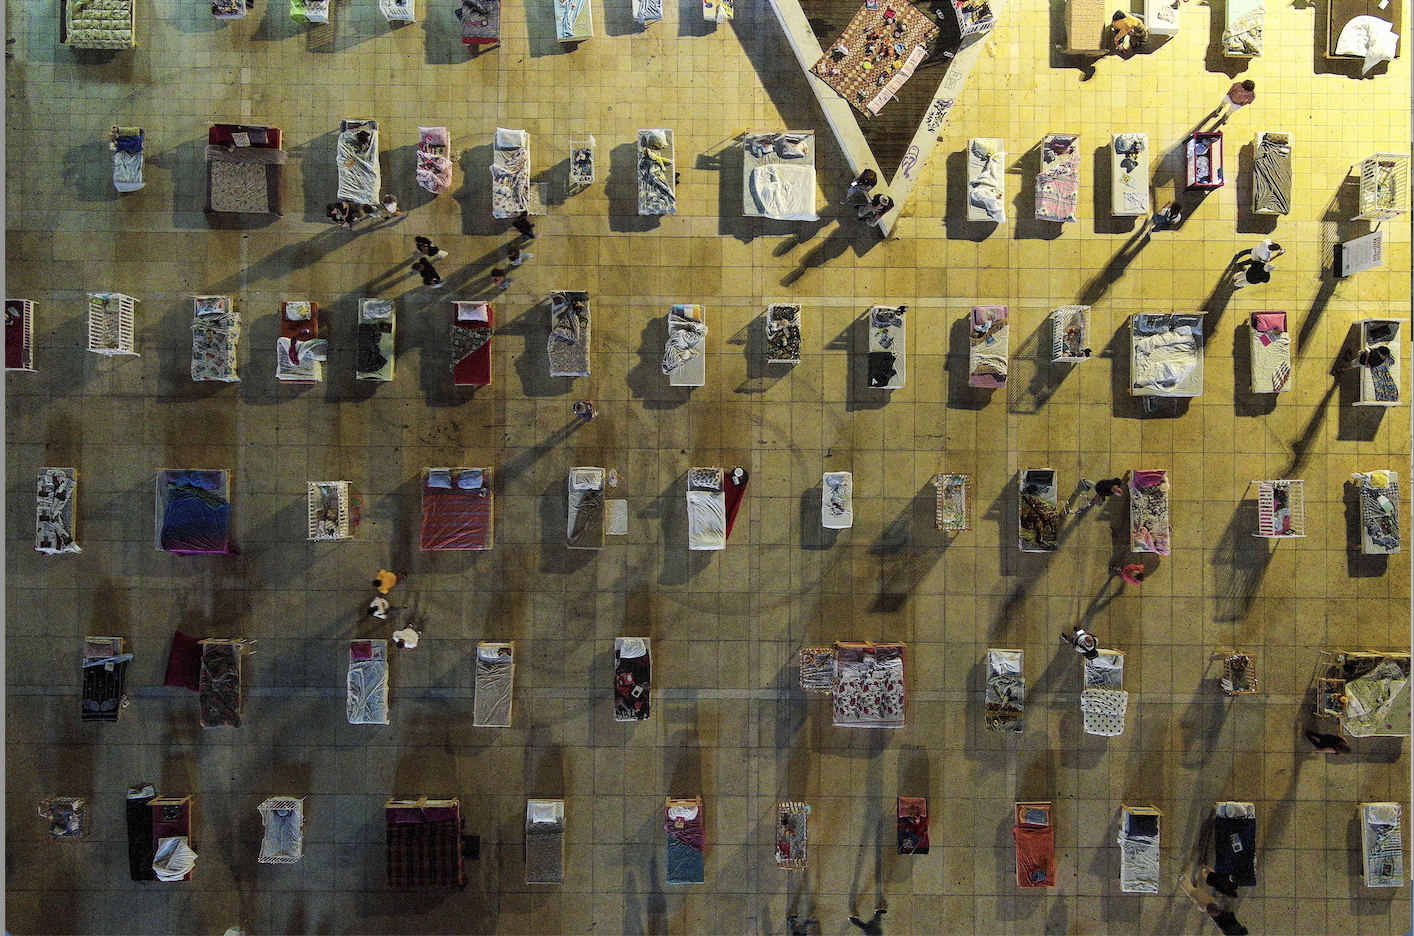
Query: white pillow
[[439, 478]]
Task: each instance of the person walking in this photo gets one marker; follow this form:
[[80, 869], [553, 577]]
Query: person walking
[[424, 246], [1238, 96], [873, 926], [1169, 218], [523, 224], [1249, 273], [1267, 251], [1224, 919], [429, 274], [1083, 642], [1103, 491], [385, 580], [875, 208], [378, 607], [405, 638], [515, 256], [1132, 573], [584, 410], [499, 279], [861, 184], [390, 207]]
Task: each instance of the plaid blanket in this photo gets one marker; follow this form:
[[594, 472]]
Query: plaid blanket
[[426, 854]]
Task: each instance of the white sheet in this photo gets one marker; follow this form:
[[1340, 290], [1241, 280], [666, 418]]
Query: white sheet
[[359, 176], [574, 20], [510, 173], [986, 180], [368, 688], [1271, 361], [785, 192], [1129, 175], [1168, 363], [706, 520], [1371, 37], [127, 171], [837, 500], [1139, 863]]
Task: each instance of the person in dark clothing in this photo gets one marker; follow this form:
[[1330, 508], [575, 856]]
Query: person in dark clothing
[[1370, 357], [523, 224], [428, 273], [799, 927], [1328, 743], [1225, 919], [424, 246], [871, 927]]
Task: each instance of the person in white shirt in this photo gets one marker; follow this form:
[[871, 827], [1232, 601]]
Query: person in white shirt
[[406, 638]]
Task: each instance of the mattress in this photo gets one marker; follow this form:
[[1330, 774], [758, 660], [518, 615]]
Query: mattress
[[245, 180], [1242, 36], [685, 352], [1103, 710], [215, 335], [1058, 182], [55, 529], [1149, 528], [837, 500], [706, 509], [99, 24], [1085, 25], [193, 511], [368, 682], [472, 328], [585, 525], [545, 842], [377, 337], [989, 341], [1139, 851], [1166, 355], [633, 678], [127, 144], [434, 163], [220, 684], [456, 508], [683, 824], [299, 351], [481, 21], [888, 347], [792, 836], [510, 173], [778, 176], [1038, 511], [1378, 702], [574, 20], [869, 686], [568, 345], [1005, 695], [986, 179], [783, 333], [1035, 835], [360, 179], [657, 173], [283, 841], [1271, 352], [1129, 174], [1271, 174], [139, 824], [495, 685], [912, 825], [1382, 844], [1380, 386], [105, 671], [1235, 842], [424, 843], [950, 509], [1341, 13]]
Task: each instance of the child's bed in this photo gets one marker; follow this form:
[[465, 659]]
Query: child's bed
[[989, 341], [1239, 674], [299, 351], [1058, 183], [888, 347], [1379, 512], [245, 170], [1129, 174], [398, 11], [1149, 527], [837, 500], [219, 695], [1271, 173], [1235, 842], [510, 173], [545, 842], [56, 517], [568, 346], [1242, 36], [472, 326], [1070, 334], [1380, 386], [684, 354], [98, 24], [105, 674], [1166, 355], [171, 845], [647, 11], [792, 836], [633, 678], [868, 689], [481, 21], [360, 179], [424, 843], [368, 682], [986, 179], [1085, 25], [1038, 510], [283, 820], [495, 685], [682, 821], [112, 324], [215, 335], [126, 144], [912, 825], [377, 336], [582, 160], [193, 511], [657, 173], [1271, 352], [1381, 844], [1139, 849], [434, 159], [19, 335], [330, 517], [1005, 696], [456, 508], [1203, 160], [574, 20], [1281, 509], [778, 176], [783, 324], [950, 512], [971, 16], [585, 526], [1035, 835], [1104, 701], [706, 509]]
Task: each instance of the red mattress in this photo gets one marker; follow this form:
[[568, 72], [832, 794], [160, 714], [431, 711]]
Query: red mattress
[[453, 518], [474, 370], [1035, 848], [15, 357], [424, 846], [734, 493], [221, 135]]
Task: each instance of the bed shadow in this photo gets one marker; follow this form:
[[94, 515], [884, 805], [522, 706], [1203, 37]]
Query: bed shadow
[[442, 41], [1213, 58], [621, 190], [1240, 561], [1026, 224], [1248, 221], [318, 170], [727, 160], [349, 25], [1083, 63], [813, 534], [955, 223], [646, 380], [618, 20], [680, 564], [474, 194], [854, 341], [275, 25], [88, 169], [531, 365], [848, 233], [760, 375], [1034, 377], [1246, 402], [958, 367], [1102, 194]]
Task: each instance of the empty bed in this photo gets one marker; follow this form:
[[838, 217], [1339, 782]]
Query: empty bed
[[792, 836], [1070, 334], [545, 842], [986, 179], [283, 819], [783, 324], [220, 692], [868, 688], [1058, 183], [495, 685], [105, 672], [912, 827], [1378, 492], [1281, 509], [1139, 850], [299, 351], [434, 162], [1166, 355], [19, 335], [98, 24], [424, 843], [706, 509], [989, 337], [950, 511], [127, 146], [1271, 352], [585, 529], [657, 173], [778, 176], [193, 511], [1129, 174], [481, 21], [368, 682], [1380, 386], [1271, 174]]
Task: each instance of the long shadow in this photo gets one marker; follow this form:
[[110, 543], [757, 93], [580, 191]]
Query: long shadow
[[401, 178], [957, 364], [646, 380], [1025, 224], [555, 557], [1248, 221], [86, 170], [848, 233], [319, 173], [1335, 227], [955, 223], [760, 376], [1085, 64], [1213, 58], [903, 562], [540, 31], [621, 189], [1102, 197], [813, 534], [275, 25], [1246, 401], [474, 194], [727, 160], [1100, 283], [1355, 423], [691, 21], [1305, 445], [1033, 376], [532, 365], [1240, 561]]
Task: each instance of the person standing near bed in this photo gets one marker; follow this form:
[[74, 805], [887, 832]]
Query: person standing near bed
[[1238, 96]]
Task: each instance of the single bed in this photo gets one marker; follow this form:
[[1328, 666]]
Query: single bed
[[330, 515], [1381, 844], [1038, 510], [424, 843], [172, 844], [1085, 25], [1035, 835], [19, 335], [685, 352], [510, 173], [1281, 509], [1058, 182], [360, 179], [585, 525], [1235, 842], [1149, 526], [868, 689], [989, 336], [1379, 511], [647, 12], [98, 24], [434, 159], [215, 335], [220, 696], [1242, 34], [1271, 173], [837, 500], [193, 511], [912, 825], [657, 173], [56, 517], [283, 820], [1005, 696], [377, 337], [568, 345], [368, 682], [299, 351], [1104, 701], [574, 20], [1070, 334], [1166, 355], [472, 326], [1380, 386], [545, 841], [950, 511], [495, 685], [682, 821], [228, 9], [783, 323], [127, 145], [633, 678], [1363, 29], [481, 21], [245, 170], [456, 509], [105, 674], [706, 509], [1376, 694], [778, 176], [1271, 352], [1203, 160], [986, 179], [1129, 174], [792, 836], [1161, 17], [888, 347], [1139, 849], [582, 160], [309, 11]]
